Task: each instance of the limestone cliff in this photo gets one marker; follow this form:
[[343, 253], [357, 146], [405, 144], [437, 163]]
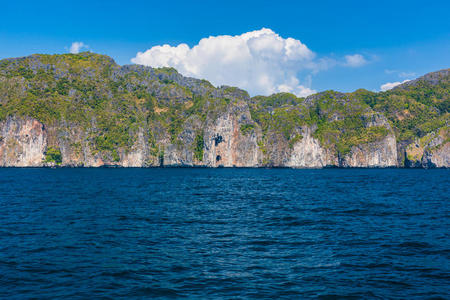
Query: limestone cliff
[[379, 153], [308, 153], [83, 110], [431, 151], [226, 145], [22, 143], [382, 153]]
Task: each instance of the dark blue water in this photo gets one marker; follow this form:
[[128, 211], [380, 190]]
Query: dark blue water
[[224, 233]]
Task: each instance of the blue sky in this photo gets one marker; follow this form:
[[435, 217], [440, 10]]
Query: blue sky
[[398, 40]]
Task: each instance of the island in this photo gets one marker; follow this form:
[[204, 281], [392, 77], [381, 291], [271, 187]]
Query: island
[[84, 110]]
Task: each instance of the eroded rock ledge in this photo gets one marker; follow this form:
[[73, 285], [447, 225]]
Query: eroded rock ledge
[[25, 143]]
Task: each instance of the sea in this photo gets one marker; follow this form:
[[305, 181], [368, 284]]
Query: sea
[[229, 233]]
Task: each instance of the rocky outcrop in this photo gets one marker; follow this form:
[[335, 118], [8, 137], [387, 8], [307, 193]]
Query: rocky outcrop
[[181, 153], [139, 154], [308, 153], [225, 143], [431, 151], [22, 143], [380, 153], [437, 157]]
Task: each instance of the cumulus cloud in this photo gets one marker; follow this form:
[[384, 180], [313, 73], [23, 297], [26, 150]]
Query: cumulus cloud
[[355, 60], [390, 85], [77, 46], [260, 61]]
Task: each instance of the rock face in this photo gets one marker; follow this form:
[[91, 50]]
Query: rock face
[[381, 153], [226, 145], [431, 151], [378, 154], [438, 157], [22, 143], [307, 153], [138, 156]]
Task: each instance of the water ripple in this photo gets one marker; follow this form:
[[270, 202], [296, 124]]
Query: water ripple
[[224, 233]]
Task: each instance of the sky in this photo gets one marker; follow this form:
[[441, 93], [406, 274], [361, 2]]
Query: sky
[[262, 46]]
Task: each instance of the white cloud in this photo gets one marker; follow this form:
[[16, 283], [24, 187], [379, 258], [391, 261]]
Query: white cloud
[[261, 62], [401, 74], [390, 85], [77, 46], [407, 74], [355, 60]]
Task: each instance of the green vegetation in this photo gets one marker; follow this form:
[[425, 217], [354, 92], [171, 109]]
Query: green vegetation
[[278, 100], [414, 110], [295, 139], [53, 155], [282, 120], [199, 144], [247, 128]]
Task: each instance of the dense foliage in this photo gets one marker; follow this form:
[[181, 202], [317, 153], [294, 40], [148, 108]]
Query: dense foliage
[[415, 109], [53, 155], [199, 146]]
